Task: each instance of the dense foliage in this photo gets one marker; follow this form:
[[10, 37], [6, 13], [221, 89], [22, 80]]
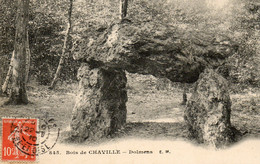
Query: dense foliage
[[48, 19], [46, 33]]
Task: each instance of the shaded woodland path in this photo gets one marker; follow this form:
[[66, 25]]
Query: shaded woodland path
[[151, 113]]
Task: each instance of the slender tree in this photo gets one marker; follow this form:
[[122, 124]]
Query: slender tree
[[9, 73], [18, 93], [8, 76], [123, 8], [62, 57], [28, 58], [184, 95]]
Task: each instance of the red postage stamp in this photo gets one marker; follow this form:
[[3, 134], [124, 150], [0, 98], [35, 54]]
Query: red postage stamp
[[19, 139]]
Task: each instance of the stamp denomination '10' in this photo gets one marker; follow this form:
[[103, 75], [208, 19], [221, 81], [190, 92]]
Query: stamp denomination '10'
[[19, 139], [24, 139]]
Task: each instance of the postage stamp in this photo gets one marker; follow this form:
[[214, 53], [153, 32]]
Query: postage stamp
[[19, 139], [24, 139]]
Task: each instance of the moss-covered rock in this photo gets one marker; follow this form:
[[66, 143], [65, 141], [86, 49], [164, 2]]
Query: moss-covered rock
[[157, 49], [100, 108], [208, 111]]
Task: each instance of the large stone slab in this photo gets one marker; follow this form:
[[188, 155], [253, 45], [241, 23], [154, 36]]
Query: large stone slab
[[156, 49], [208, 111], [100, 107]]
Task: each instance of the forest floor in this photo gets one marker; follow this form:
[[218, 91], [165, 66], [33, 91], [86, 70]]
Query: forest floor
[[151, 113]]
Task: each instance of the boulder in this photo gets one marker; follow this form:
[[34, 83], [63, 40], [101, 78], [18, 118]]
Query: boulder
[[156, 49], [208, 110], [100, 107]]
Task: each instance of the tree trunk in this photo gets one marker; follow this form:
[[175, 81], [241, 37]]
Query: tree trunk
[[9, 73], [184, 95], [18, 92], [123, 8], [28, 57], [62, 58], [8, 76]]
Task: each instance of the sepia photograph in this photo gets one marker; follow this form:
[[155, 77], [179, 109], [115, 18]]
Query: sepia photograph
[[130, 81]]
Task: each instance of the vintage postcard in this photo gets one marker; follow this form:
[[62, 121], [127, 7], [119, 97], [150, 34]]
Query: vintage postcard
[[130, 81]]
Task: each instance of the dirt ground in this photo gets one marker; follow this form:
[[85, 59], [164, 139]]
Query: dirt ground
[[152, 113]]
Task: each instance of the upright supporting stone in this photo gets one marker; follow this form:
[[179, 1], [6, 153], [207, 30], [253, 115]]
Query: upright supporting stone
[[208, 111], [100, 107]]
